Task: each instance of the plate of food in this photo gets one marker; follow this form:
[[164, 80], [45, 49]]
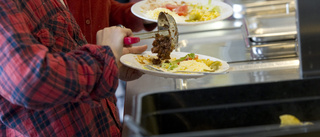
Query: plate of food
[[185, 12], [180, 65]]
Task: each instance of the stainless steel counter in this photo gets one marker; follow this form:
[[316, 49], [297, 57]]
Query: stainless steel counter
[[222, 40]]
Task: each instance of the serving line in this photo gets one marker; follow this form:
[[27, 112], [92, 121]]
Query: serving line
[[215, 39]]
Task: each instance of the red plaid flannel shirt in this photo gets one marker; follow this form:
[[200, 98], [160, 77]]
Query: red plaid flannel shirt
[[93, 15], [52, 83]]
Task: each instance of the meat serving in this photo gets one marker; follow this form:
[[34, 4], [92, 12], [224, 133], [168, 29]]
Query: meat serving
[[163, 46]]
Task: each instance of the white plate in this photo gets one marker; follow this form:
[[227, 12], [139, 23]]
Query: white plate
[[226, 11], [130, 61]]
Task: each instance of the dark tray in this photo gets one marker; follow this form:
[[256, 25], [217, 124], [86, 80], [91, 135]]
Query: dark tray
[[244, 110]]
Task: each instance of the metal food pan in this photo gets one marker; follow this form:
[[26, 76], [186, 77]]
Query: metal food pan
[[274, 50], [271, 27], [261, 7]]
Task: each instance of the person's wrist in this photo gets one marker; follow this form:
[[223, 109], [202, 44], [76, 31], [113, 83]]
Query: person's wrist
[[117, 59]]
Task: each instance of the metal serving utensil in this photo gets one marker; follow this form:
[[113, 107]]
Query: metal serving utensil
[[166, 26]]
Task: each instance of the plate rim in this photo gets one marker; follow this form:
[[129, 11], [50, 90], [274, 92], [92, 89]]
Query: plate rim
[[228, 14]]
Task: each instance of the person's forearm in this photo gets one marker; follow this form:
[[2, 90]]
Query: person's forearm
[[34, 77], [44, 80]]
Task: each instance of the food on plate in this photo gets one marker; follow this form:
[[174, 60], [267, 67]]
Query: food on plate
[[192, 65], [163, 46], [203, 12], [183, 11], [153, 14], [290, 120], [190, 62]]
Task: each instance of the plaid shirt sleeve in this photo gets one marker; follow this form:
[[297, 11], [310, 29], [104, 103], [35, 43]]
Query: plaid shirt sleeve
[[42, 63], [52, 83]]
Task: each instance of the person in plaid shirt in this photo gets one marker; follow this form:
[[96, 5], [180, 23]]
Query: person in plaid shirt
[[52, 82]]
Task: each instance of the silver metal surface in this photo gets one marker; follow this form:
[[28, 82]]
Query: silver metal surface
[[167, 20], [268, 28], [240, 73], [244, 8], [253, 62], [281, 49], [258, 3], [225, 43], [151, 34], [166, 26]]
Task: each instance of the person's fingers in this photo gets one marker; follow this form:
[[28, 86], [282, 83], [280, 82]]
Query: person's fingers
[[135, 50], [139, 49], [100, 36], [128, 32]]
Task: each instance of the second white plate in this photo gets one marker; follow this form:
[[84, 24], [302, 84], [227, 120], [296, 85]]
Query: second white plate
[[226, 11]]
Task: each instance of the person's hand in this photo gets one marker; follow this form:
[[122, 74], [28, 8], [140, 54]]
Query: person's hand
[[126, 73], [113, 37]]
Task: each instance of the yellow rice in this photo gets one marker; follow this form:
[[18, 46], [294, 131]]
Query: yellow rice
[[153, 14], [191, 65]]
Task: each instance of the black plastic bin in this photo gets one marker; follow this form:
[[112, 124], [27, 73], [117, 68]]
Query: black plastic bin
[[244, 110]]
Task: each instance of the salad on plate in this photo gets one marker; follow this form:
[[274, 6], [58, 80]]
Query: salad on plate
[[187, 63], [182, 11]]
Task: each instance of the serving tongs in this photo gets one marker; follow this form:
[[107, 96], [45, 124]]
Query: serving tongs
[[166, 26]]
